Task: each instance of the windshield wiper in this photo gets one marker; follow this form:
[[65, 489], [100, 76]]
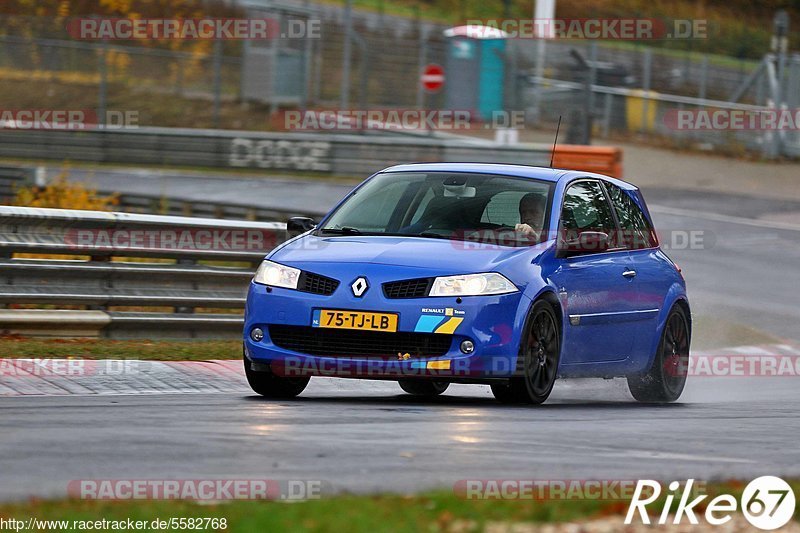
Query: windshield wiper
[[424, 234], [344, 230], [429, 235]]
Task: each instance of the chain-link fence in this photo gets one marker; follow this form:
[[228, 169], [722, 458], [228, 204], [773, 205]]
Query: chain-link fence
[[369, 61]]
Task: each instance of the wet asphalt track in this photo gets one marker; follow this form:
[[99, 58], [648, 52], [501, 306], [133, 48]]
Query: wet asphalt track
[[367, 436]]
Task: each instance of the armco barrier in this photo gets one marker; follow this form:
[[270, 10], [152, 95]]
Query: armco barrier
[[93, 291], [331, 153], [11, 179]]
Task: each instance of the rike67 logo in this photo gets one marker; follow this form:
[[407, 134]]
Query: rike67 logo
[[767, 502]]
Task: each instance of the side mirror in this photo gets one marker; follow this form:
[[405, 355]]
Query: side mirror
[[587, 242], [298, 225]]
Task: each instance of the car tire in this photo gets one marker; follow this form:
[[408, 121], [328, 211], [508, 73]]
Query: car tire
[[269, 385], [665, 380], [504, 393], [418, 387], [539, 354]]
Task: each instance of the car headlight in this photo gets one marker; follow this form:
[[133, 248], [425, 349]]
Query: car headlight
[[276, 275], [472, 285]]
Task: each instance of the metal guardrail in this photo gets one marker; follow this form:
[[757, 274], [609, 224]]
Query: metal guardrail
[[155, 204], [12, 178], [341, 154], [93, 287]]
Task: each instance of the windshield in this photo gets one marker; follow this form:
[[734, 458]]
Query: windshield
[[475, 207]]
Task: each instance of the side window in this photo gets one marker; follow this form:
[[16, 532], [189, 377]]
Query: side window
[[637, 232], [585, 209]]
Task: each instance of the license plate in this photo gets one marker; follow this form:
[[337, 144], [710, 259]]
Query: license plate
[[365, 320]]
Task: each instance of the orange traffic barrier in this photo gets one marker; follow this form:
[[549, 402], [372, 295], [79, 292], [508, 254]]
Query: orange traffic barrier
[[601, 159]]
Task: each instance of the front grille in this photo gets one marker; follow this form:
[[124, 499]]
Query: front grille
[[317, 284], [357, 343], [409, 288]]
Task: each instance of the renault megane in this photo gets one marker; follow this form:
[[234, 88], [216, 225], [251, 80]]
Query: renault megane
[[439, 273]]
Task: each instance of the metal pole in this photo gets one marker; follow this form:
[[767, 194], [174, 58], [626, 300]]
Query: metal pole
[[607, 113], [591, 79], [344, 93], [102, 97], [648, 63], [274, 57], [793, 83], [422, 59], [773, 148], [512, 100], [308, 53], [537, 85], [217, 81], [317, 90], [701, 93], [542, 10], [363, 70]]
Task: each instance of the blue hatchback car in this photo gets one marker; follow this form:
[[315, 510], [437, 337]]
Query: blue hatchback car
[[439, 273]]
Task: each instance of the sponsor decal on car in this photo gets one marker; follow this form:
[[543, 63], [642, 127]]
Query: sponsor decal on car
[[439, 320]]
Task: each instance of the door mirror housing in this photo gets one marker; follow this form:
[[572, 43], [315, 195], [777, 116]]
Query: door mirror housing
[[587, 242], [298, 225]]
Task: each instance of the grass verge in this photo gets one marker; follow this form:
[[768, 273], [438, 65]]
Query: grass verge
[[432, 511], [145, 349]]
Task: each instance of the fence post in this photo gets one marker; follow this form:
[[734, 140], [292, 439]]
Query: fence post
[[308, 51], [703, 77], [607, 115], [217, 81], [792, 101], [102, 96], [591, 80], [179, 76], [344, 96], [317, 87], [793, 83], [648, 65], [422, 59]]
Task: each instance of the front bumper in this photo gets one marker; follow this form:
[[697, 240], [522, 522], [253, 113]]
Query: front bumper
[[492, 323]]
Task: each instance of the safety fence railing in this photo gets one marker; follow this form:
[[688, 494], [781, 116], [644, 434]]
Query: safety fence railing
[[319, 153], [78, 273]]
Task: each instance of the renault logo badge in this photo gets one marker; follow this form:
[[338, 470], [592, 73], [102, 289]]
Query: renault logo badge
[[359, 287]]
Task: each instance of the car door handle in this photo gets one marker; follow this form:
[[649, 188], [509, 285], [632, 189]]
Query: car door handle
[[630, 274]]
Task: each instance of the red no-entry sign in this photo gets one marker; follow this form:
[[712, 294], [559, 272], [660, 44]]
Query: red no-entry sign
[[432, 78]]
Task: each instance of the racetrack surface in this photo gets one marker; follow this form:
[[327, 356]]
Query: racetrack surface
[[367, 436]]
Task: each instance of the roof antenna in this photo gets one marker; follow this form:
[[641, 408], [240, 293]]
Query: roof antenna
[[553, 154]]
